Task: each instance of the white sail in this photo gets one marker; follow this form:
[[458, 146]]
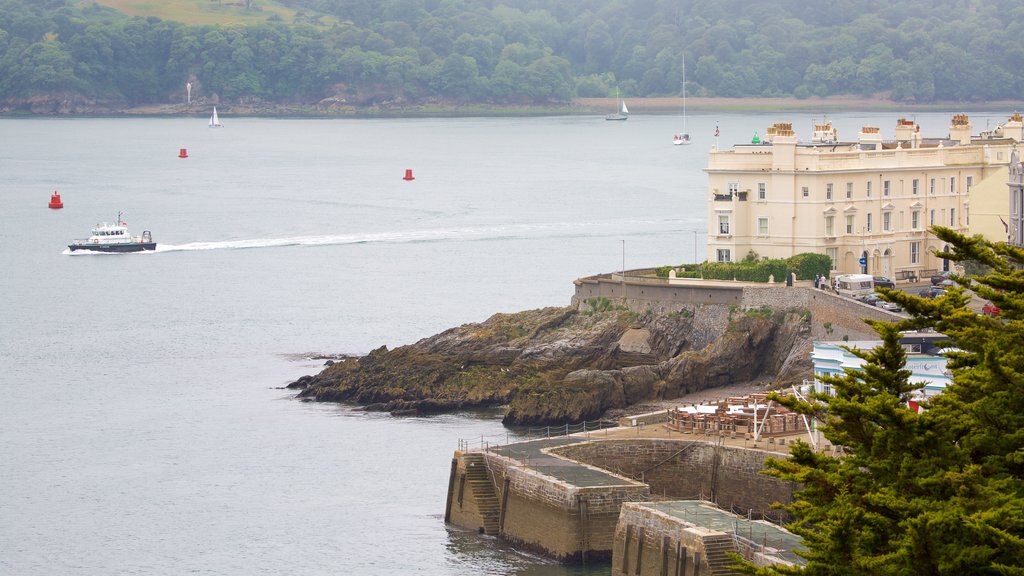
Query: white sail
[[622, 113], [214, 120]]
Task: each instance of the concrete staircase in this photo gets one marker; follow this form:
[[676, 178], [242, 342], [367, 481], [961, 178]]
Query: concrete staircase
[[715, 550], [483, 491]]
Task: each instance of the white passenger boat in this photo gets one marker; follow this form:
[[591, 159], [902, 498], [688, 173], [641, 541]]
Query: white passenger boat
[[107, 237]]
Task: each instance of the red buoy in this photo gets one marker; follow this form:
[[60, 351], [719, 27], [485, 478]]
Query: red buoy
[[408, 174], [55, 201], [183, 153]]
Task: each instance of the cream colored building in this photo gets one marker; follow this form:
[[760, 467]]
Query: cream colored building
[[1015, 229], [874, 198]]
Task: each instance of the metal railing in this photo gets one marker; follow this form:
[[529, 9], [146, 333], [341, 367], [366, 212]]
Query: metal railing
[[512, 437]]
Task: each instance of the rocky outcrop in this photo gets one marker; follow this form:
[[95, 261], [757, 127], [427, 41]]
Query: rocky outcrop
[[563, 365]]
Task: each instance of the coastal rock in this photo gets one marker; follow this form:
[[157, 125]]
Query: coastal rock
[[563, 365]]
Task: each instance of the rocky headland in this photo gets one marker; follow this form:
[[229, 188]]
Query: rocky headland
[[566, 365]]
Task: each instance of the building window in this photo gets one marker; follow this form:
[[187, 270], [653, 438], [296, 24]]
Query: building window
[[952, 185], [734, 187], [885, 188], [915, 220], [952, 217], [931, 219], [723, 223], [762, 226], [915, 252], [723, 255], [828, 191], [887, 221], [830, 225], [850, 224], [762, 191], [868, 189], [849, 190], [967, 216], [806, 192], [970, 182], [833, 255], [820, 386], [914, 186], [931, 186], [869, 221]]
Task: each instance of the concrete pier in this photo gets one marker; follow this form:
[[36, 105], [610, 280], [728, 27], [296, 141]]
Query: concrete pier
[[539, 501], [693, 538], [562, 497]]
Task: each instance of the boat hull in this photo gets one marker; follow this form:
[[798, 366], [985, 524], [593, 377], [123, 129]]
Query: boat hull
[[117, 248]]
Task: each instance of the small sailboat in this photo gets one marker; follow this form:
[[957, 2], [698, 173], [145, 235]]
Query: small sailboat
[[682, 138], [214, 120], [622, 113]]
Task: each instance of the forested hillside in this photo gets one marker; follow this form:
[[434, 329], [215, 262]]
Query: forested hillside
[[513, 52]]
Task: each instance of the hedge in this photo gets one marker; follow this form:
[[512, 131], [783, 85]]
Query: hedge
[[806, 266]]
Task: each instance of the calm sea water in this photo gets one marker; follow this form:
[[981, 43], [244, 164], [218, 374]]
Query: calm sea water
[[143, 428]]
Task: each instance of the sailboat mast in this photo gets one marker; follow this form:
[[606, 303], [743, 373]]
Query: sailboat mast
[[684, 94]]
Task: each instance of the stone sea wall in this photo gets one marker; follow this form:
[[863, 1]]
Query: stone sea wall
[[690, 470], [833, 316], [578, 524], [539, 513], [651, 543]]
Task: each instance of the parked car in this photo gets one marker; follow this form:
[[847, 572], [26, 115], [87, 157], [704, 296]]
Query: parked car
[[869, 299], [942, 279], [884, 282], [890, 306], [991, 310], [932, 292], [876, 300]]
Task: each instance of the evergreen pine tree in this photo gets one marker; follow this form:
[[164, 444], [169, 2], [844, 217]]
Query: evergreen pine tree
[[935, 493]]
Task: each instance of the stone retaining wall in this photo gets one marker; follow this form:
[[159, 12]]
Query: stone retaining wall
[[833, 317], [543, 514], [648, 542], [691, 470]]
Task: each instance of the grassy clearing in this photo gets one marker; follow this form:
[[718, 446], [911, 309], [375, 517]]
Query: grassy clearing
[[200, 12]]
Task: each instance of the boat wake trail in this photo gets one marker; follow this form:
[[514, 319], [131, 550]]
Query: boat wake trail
[[502, 232]]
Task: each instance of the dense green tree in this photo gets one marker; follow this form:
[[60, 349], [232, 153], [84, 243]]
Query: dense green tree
[[457, 77], [479, 48], [935, 493], [917, 50], [599, 46], [49, 68]]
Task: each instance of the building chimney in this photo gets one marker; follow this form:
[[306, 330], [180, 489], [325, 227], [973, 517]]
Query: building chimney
[[960, 129], [783, 141], [1014, 128], [908, 132], [825, 134], [870, 138]]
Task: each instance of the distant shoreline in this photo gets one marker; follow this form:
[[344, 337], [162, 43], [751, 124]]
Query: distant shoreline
[[579, 107], [829, 104]]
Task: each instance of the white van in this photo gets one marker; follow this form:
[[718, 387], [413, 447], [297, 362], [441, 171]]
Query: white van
[[855, 285]]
